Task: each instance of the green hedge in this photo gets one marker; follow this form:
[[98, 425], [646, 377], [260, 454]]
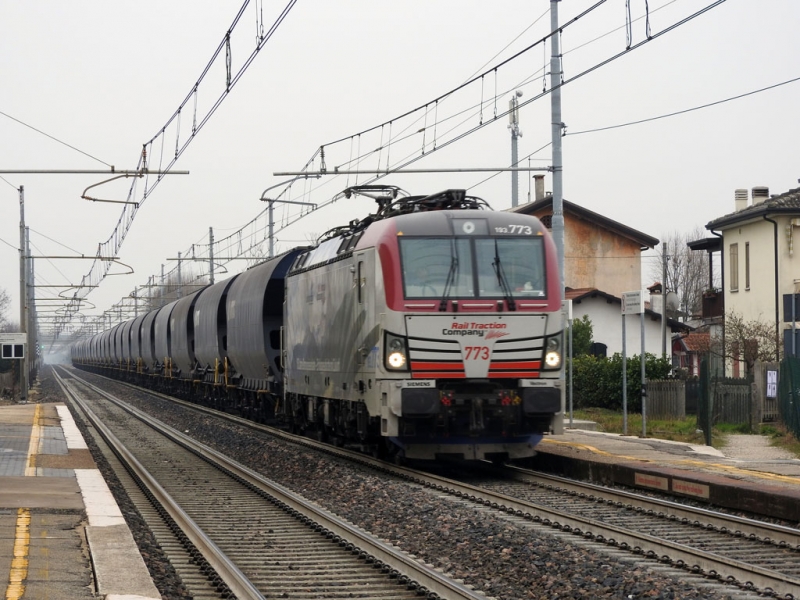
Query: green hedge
[[597, 380]]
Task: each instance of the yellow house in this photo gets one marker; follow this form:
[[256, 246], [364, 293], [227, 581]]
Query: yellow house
[[760, 267]]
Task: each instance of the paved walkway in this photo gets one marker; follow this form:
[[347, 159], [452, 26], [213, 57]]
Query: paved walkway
[[754, 447]]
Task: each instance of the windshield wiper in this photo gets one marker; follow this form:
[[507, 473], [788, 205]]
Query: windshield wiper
[[501, 279], [451, 275]]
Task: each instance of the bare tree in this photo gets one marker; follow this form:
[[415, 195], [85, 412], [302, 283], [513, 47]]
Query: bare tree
[[687, 270], [749, 341]]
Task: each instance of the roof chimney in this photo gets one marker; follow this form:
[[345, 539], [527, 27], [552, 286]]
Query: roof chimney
[[740, 199], [760, 194], [538, 187]]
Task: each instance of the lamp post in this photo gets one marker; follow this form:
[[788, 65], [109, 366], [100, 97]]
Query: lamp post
[[272, 201]]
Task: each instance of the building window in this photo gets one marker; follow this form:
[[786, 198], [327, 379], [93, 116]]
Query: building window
[[547, 221], [747, 265], [734, 263]]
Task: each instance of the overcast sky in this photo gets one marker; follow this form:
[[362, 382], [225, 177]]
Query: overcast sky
[[105, 77]]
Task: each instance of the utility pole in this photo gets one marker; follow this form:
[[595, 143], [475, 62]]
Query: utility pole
[[180, 280], [211, 255], [32, 329], [272, 201], [516, 133], [23, 297], [664, 259], [556, 131]]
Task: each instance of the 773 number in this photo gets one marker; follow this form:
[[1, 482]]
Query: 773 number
[[477, 352]]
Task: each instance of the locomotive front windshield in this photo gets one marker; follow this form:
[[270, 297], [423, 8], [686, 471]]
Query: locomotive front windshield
[[473, 267]]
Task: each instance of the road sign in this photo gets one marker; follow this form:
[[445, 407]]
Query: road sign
[[12, 345], [13, 338], [632, 303]]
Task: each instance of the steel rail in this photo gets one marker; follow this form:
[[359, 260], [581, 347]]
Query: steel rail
[[666, 551], [773, 532], [429, 579], [238, 583]]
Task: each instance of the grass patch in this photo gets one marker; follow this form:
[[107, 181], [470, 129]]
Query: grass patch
[[685, 430], [781, 437]]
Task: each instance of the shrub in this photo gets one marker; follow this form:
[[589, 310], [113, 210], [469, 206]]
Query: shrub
[[597, 381]]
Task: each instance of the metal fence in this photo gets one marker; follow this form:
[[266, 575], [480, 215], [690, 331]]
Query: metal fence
[[725, 400], [692, 390], [789, 394], [735, 401]]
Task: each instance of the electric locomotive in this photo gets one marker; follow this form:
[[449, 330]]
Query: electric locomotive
[[430, 330]]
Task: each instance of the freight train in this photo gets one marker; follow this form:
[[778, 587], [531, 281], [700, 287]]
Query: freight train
[[431, 329]]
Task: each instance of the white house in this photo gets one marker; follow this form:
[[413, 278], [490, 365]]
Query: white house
[[605, 312]]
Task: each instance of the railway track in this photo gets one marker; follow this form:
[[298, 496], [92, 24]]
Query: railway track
[[229, 532], [757, 557], [749, 553]]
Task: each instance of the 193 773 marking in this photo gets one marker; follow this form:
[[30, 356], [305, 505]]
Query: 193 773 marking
[[515, 229]]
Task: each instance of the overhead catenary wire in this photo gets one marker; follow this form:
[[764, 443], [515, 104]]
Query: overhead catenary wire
[[9, 183], [354, 140], [55, 139], [319, 155], [686, 110], [402, 134], [111, 246]]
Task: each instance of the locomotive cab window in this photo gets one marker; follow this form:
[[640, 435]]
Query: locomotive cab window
[[514, 263], [474, 267]]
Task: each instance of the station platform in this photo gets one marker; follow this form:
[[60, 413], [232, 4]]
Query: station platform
[[760, 480], [62, 534]]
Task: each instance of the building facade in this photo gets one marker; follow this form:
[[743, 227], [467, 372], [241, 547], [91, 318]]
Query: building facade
[[599, 253], [759, 264]]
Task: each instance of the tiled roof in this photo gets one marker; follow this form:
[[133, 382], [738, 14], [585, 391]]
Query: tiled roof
[[697, 341], [577, 293], [786, 203], [645, 241]]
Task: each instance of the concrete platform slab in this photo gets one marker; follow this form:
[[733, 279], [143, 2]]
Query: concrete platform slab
[[62, 535], [765, 487], [40, 492], [122, 570]]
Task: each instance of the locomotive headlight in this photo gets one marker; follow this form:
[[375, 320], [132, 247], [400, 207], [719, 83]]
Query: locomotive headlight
[[552, 353], [395, 353]]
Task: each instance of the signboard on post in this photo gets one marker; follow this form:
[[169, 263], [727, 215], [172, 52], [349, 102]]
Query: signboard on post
[[12, 345], [632, 303]]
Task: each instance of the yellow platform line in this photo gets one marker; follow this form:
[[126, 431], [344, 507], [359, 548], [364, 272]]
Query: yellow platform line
[[33, 446], [734, 470], [19, 564]]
